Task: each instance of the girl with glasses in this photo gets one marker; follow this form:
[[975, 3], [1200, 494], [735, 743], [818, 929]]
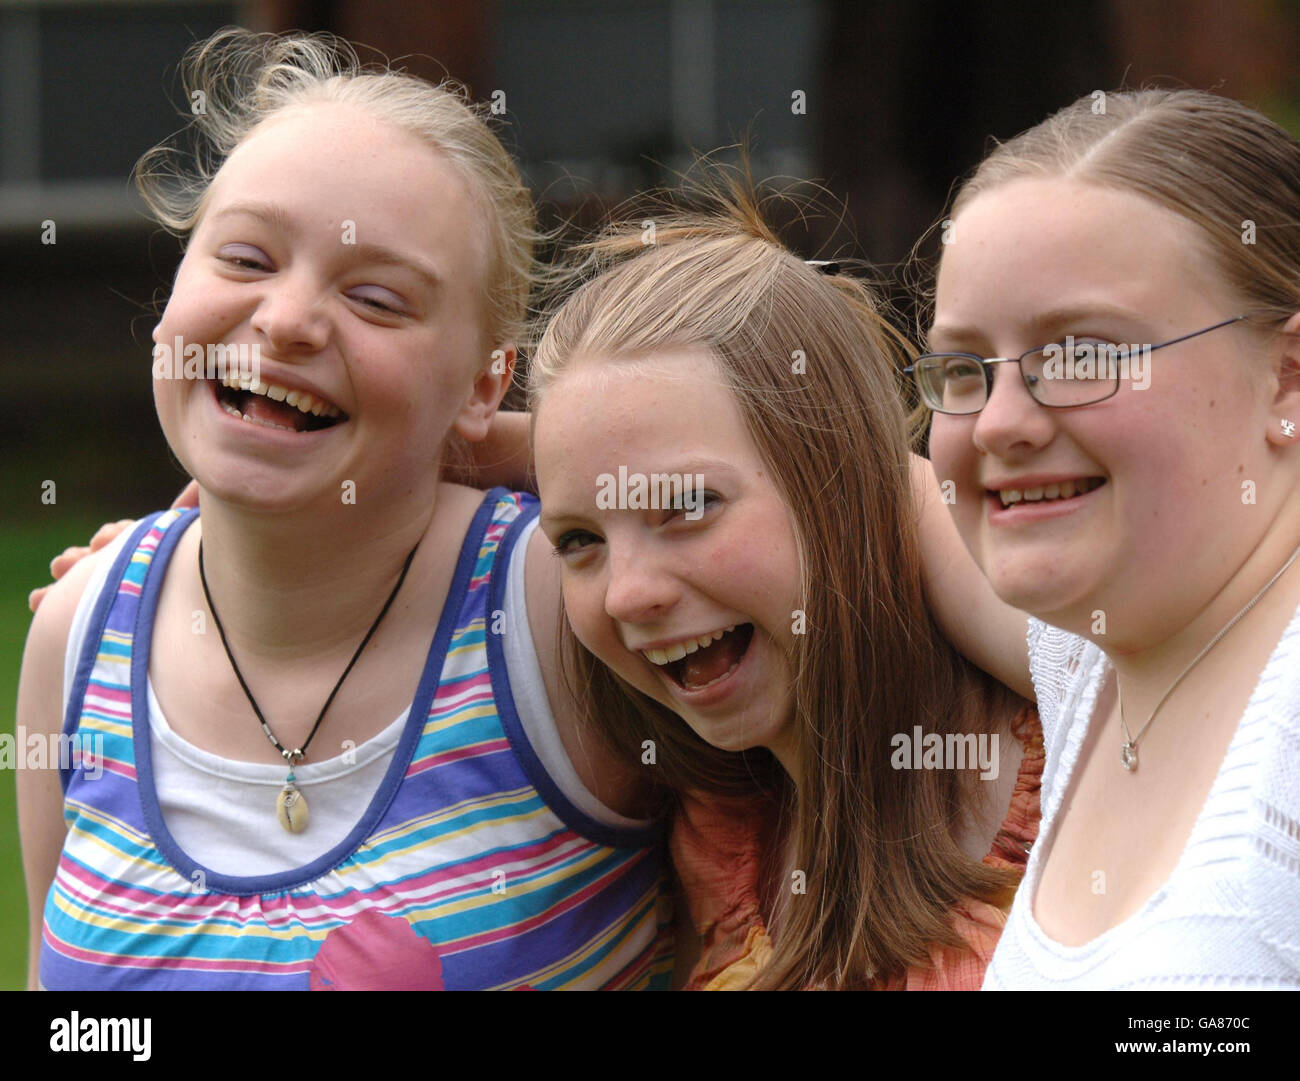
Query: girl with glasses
[[1149, 526]]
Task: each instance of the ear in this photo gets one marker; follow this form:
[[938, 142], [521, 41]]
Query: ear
[[1284, 414], [490, 386]]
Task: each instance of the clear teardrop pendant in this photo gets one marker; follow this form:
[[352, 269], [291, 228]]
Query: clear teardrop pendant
[[1128, 754]]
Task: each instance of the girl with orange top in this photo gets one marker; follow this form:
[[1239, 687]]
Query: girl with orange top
[[723, 462]]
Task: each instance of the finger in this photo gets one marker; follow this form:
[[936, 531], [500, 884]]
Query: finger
[[66, 560], [35, 597], [108, 532]]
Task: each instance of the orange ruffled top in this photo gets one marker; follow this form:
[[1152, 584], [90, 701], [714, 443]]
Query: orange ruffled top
[[718, 847]]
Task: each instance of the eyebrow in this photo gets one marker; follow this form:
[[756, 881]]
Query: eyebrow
[[277, 218], [273, 216], [378, 254], [1039, 324]]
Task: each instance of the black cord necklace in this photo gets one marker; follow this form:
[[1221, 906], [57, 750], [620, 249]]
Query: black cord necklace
[[291, 805]]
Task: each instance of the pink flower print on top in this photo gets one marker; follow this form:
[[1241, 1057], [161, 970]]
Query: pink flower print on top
[[376, 953]]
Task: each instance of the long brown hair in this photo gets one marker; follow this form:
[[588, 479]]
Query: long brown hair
[[811, 363]]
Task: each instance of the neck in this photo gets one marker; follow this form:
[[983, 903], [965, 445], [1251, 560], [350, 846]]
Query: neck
[[299, 586], [785, 749], [1148, 666]]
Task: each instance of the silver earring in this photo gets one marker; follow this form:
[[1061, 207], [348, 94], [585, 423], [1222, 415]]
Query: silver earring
[[1288, 428]]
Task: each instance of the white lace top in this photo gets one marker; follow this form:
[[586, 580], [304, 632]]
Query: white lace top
[[1228, 916]]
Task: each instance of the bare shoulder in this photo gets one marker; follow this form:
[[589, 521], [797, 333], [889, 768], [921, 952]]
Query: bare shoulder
[[456, 507], [616, 784], [47, 637]]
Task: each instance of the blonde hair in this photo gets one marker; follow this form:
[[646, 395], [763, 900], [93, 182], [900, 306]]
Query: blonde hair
[[878, 846], [1215, 162], [236, 79]]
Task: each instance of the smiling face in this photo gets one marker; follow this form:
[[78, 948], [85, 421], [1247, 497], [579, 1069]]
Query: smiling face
[[693, 609], [1032, 261], [348, 252]]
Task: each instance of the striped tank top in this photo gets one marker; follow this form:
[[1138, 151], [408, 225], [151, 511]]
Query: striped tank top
[[469, 868]]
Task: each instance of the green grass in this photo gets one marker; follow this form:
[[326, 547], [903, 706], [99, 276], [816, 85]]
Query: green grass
[[25, 552]]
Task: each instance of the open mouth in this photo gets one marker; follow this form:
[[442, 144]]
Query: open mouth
[[275, 406], [695, 663], [1069, 489]]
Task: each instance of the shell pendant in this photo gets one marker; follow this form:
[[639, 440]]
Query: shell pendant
[[1128, 755], [291, 807]]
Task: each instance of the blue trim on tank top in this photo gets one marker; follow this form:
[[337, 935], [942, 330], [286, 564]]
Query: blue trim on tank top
[[578, 821], [279, 881], [95, 635]]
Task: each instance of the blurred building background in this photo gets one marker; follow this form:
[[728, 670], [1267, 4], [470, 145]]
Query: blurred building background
[[885, 102], [603, 98]]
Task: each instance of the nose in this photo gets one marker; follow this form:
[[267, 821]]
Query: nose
[[291, 315], [1011, 420], [641, 587]]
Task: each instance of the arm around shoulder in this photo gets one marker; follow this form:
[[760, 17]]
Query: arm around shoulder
[[984, 629]]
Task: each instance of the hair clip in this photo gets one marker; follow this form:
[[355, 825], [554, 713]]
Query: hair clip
[[823, 266]]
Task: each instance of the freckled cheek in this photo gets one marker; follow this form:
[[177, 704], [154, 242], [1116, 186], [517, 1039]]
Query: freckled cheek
[[757, 573]]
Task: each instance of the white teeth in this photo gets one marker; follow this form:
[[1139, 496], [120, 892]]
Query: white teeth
[[299, 399], [1065, 489], [678, 650]]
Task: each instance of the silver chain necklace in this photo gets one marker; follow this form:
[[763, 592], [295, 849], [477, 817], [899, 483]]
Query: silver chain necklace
[[1128, 753]]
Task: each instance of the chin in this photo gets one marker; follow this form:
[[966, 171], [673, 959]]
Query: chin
[[1051, 597], [253, 491]]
